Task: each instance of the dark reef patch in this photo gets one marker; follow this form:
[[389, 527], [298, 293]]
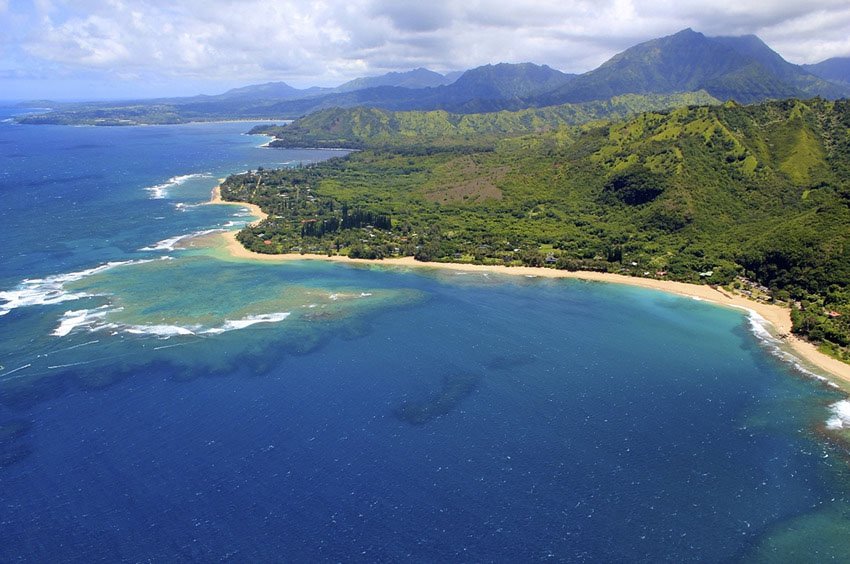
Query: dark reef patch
[[454, 389]]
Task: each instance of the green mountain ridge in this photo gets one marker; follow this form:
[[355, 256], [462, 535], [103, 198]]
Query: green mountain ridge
[[361, 127], [755, 195]]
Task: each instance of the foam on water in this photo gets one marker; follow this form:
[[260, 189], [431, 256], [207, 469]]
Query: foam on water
[[182, 206], [231, 325], [165, 244], [51, 289], [160, 191], [96, 320], [759, 327], [169, 244], [70, 320], [840, 418], [164, 331], [840, 415]]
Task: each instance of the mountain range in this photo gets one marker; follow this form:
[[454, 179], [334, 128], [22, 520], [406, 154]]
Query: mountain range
[[836, 69], [742, 68]]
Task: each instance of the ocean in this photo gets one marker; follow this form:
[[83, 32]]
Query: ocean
[[161, 401]]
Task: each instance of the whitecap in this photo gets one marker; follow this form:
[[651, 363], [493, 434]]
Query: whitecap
[[231, 325], [169, 244], [182, 206], [165, 244], [760, 329], [95, 320], [73, 319], [51, 289], [840, 415], [759, 326], [160, 191], [163, 331]]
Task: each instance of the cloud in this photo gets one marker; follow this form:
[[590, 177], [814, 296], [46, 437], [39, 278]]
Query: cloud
[[414, 16], [328, 41]]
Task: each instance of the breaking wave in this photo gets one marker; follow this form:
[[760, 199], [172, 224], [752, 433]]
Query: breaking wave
[[51, 289], [170, 243], [160, 191], [71, 320], [840, 418], [840, 415], [248, 321], [95, 320], [759, 327], [182, 206]]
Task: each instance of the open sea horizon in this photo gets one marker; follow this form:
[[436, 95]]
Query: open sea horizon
[[160, 401]]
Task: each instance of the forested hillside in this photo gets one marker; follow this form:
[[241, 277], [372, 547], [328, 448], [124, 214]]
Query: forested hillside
[[752, 196], [359, 128]]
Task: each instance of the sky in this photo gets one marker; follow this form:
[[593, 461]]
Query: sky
[[102, 49]]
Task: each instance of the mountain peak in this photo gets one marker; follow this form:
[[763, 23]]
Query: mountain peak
[[687, 32], [744, 68]]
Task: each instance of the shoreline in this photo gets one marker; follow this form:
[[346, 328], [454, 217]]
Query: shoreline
[[215, 199], [778, 317]]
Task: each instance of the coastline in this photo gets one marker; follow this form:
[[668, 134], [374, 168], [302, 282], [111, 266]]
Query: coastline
[[215, 199], [777, 316]]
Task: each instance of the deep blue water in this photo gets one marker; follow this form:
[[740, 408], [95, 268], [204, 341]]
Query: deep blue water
[[200, 409]]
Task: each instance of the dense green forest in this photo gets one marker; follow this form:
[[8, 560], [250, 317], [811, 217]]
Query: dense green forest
[[753, 197]]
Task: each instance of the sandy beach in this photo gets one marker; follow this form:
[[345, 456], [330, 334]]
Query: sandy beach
[[779, 317], [255, 209]]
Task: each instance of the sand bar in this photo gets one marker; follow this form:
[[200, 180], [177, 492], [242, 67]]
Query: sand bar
[[778, 316]]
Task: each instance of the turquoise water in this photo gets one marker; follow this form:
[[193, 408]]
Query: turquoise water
[[158, 402]]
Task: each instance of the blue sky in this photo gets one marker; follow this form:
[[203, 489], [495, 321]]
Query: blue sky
[[97, 49]]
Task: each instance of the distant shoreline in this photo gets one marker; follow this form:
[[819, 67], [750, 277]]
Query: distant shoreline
[[131, 123], [779, 317]]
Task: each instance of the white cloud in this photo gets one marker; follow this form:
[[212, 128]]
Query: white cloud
[[307, 42]]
